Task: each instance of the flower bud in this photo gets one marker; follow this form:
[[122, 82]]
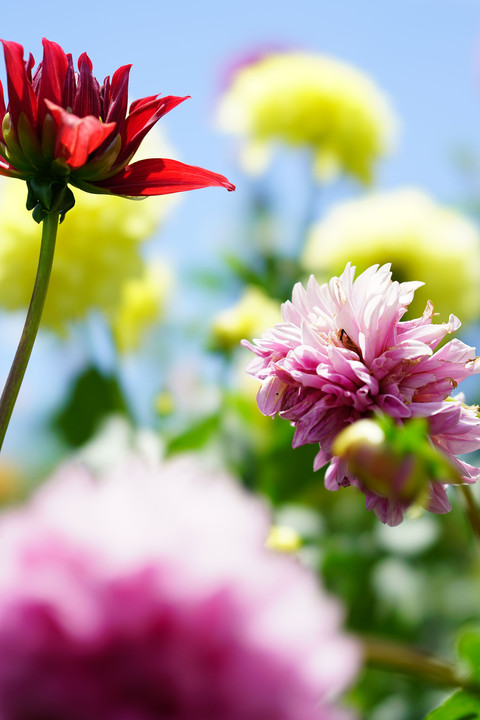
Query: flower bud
[[395, 461]]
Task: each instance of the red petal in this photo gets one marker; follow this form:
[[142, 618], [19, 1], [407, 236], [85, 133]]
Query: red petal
[[70, 85], [87, 101], [141, 120], [143, 101], [161, 177], [20, 91], [29, 67], [118, 100], [77, 137], [3, 109], [54, 70]]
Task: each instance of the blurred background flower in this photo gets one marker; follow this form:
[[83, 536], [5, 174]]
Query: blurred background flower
[[421, 238], [248, 317], [308, 101], [151, 594], [141, 305], [98, 251]]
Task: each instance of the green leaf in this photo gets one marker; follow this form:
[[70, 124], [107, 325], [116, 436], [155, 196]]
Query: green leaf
[[469, 650], [93, 396], [460, 706], [196, 436]]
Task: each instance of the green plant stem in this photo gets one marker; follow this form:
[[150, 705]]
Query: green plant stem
[[32, 322], [396, 657], [472, 509]]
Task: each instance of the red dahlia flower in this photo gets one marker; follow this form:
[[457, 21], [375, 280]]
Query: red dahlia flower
[[63, 127]]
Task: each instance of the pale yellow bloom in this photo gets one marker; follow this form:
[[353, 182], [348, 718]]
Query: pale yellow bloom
[[247, 318], [12, 482], [423, 241], [142, 305], [97, 251], [283, 539], [312, 101]]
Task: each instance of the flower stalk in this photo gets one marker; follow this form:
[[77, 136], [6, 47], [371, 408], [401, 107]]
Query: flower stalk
[[32, 322], [471, 509], [395, 657]]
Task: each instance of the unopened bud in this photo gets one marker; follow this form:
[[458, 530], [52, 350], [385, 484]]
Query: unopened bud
[[393, 460]]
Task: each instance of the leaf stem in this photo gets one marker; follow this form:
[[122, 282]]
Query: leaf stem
[[387, 655], [32, 322], [472, 509]]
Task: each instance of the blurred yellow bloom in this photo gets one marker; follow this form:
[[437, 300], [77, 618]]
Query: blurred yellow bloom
[[97, 251], [12, 483], [312, 101], [421, 239], [247, 318], [142, 304], [283, 539]]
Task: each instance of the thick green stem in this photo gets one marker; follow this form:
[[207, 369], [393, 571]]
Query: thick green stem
[[22, 356], [472, 509], [395, 657]]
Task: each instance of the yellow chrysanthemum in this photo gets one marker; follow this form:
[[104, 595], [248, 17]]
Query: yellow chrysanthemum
[[97, 251], [308, 100], [421, 239], [141, 305], [247, 318]]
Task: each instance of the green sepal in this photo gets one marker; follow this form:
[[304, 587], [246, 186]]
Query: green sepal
[[48, 196], [101, 167], [28, 141], [89, 187], [60, 168], [49, 137], [14, 153], [40, 189]]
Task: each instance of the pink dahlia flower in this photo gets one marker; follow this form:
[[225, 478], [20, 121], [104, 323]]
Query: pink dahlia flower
[[151, 596], [342, 353]]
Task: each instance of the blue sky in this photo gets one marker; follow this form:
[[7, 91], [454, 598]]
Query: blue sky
[[424, 54]]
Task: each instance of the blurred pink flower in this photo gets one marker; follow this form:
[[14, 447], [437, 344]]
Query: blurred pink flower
[[150, 596], [342, 353]]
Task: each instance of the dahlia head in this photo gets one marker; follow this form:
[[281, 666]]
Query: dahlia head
[[62, 127], [342, 353]]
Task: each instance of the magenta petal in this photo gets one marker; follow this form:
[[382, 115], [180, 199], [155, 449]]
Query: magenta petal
[[161, 177], [438, 502]]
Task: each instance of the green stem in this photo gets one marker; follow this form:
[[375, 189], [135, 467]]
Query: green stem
[[395, 657], [472, 509], [22, 356]]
